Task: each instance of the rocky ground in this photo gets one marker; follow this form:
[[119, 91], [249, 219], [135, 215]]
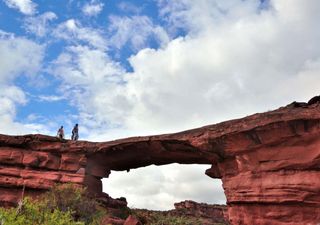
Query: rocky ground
[[185, 213]]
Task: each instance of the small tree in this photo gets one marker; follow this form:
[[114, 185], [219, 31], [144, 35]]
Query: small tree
[[69, 197]]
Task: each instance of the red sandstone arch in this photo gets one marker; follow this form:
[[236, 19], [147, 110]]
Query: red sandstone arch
[[269, 163]]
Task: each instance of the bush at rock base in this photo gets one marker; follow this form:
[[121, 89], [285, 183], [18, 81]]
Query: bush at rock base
[[62, 205], [36, 213]]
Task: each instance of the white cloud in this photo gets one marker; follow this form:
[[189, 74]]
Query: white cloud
[[129, 7], [24, 6], [83, 71], [158, 188], [135, 30], [39, 24], [205, 14], [93, 8], [235, 60], [10, 95], [222, 72], [50, 98], [73, 31], [19, 57], [86, 67]]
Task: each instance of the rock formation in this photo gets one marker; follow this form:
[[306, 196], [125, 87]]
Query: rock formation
[[206, 212], [269, 163], [195, 213]]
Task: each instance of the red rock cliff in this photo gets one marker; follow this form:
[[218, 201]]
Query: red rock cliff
[[269, 163]]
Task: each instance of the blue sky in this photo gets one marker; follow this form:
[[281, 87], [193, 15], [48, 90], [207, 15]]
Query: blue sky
[[130, 68], [28, 25]]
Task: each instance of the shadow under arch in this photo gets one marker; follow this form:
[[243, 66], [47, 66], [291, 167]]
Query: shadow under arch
[[132, 153]]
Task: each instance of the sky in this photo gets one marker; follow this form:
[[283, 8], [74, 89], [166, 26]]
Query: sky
[[142, 67]]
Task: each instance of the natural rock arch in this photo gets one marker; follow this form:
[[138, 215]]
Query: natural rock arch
[[161, 187], [269, 163]]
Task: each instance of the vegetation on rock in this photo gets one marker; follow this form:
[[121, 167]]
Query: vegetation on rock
[[165, 217], [62, 205], [68, 204]]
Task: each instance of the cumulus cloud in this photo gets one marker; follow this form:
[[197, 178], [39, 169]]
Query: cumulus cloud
[[19, 57], [39, 25], [26, 7], [227, 69], [93, 8], [236, 58]]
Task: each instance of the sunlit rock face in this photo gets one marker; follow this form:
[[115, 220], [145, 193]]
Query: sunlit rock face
[[269, 163]]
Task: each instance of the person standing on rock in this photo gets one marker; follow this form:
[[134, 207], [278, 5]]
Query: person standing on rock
[[75, 133], [60, 133]]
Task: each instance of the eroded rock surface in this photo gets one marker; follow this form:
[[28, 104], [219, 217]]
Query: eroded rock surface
[[269, 163], [208, 213]]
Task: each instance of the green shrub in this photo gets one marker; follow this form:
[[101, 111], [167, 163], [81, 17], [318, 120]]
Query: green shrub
[[68, 197], [35, 213], [160, 218], [63, 205]]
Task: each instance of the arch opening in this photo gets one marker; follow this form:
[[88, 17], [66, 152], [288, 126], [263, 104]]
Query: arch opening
[[159, 187]]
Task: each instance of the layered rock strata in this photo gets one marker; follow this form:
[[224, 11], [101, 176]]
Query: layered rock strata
[[269, 163]]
